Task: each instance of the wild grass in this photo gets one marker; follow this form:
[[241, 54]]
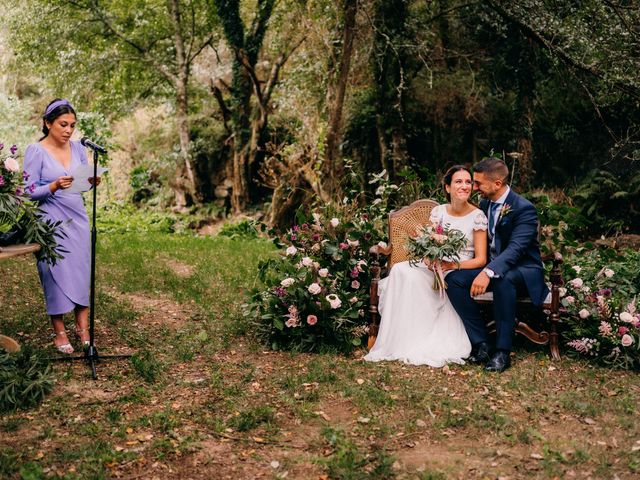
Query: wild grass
[[200, 391]]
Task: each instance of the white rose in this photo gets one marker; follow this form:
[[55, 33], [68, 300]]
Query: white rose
[[307, 262], [323, 272], [314, 289], [584, 313], [11, 164], [287, 282], [577, 268], [382, 244], [562, 291], [334, 222], [290, 251], [608, 273], [626, 317], [576, 283]]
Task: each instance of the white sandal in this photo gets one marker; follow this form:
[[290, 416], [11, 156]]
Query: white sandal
[[65, 348], [79, 332]]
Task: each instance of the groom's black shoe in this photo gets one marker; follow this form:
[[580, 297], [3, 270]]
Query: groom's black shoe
[[499, 362], [479, 353]]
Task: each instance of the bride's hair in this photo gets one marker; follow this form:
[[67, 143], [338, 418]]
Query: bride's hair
[[448, 177]]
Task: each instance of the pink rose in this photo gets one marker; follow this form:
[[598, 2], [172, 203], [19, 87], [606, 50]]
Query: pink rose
[[576, 283], [355, 284], [609, 273], [570, 299], [287, 282], [626, 317], [307, 262], [334, 222], [291, 251], [623, 330], [11, 164], [314, 289], [323, 272], [627, 340], [312, 319], [584, 313]]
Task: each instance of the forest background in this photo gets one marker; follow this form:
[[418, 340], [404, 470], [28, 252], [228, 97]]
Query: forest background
[[223, 106]]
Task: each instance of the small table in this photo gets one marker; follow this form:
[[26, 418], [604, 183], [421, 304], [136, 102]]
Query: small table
[[19, 249], [9, 251]]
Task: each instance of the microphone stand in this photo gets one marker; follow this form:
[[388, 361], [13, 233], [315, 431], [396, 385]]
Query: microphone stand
[[91, 352]]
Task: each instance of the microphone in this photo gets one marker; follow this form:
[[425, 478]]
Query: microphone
[[93, 146]]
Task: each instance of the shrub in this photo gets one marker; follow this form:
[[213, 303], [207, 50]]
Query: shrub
[[600, 300], [25, 379], [315, 294]]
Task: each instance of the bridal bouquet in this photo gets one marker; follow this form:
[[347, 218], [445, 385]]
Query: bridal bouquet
[[436, 243]]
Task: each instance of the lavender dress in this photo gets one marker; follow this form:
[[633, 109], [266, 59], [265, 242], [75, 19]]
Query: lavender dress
[[66, 284]]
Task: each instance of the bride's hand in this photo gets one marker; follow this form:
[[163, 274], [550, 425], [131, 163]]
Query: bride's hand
[[449, 266]]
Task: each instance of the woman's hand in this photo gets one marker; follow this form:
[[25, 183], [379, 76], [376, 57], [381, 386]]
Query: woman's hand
[[97, 182], [450, 266], [61, 183]]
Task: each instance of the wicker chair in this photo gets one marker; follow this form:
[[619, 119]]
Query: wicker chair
[[539, 327]]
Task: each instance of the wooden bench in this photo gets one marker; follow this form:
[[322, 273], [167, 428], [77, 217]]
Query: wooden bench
[[540, 326]]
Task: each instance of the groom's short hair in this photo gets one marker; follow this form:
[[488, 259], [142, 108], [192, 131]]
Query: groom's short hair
[[493, 167]]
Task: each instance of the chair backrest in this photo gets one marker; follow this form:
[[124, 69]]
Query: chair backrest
[[403, 223]]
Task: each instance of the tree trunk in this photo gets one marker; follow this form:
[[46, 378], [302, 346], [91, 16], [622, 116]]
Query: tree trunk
[[333, 166], [184, 168]]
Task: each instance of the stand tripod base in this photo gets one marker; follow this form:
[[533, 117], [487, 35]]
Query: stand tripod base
[[91, 357]]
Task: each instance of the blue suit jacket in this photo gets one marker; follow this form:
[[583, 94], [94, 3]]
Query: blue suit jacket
[[517, 246]]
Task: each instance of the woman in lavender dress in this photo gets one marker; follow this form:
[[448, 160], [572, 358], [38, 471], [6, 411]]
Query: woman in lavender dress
[[49, 164]]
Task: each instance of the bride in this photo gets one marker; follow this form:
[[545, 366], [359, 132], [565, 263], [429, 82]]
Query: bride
[[417, 325]]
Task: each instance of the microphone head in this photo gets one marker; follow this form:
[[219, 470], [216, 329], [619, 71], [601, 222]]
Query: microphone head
[[84, 141]]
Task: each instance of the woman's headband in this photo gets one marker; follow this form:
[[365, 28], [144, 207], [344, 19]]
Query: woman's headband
[[56, 104]]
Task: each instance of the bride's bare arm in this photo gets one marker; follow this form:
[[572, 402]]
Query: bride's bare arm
[[479, 250]]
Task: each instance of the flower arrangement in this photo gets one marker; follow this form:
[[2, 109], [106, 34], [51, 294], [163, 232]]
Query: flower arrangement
[[602, 314], [20, 219], [315, 293], [436, 243]]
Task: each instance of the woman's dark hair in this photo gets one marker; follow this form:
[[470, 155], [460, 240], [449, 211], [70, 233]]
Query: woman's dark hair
[[50, 114], [448, 178]]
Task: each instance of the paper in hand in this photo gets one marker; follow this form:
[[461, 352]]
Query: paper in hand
[[81, 175]]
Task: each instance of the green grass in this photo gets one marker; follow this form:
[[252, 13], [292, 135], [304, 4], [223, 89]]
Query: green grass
[[199, 387]]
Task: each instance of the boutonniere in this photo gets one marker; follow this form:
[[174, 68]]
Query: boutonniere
[[505, 210]]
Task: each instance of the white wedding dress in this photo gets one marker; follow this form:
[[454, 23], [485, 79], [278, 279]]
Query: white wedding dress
[[418, 326]]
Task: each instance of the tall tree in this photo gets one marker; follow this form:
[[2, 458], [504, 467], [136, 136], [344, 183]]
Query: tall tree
[[340, 65], [248, 107], [119, 50]]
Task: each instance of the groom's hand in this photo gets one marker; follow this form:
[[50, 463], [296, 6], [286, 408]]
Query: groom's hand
[[480, 284]]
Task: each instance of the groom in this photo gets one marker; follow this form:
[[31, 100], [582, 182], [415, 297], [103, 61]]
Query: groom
[[514, 267]]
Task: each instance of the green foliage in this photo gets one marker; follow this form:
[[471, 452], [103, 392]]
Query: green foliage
[[242, 229], [610, 202], [146, 365], [25, 379], [252, 418], [347, 462], [116, 217]]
